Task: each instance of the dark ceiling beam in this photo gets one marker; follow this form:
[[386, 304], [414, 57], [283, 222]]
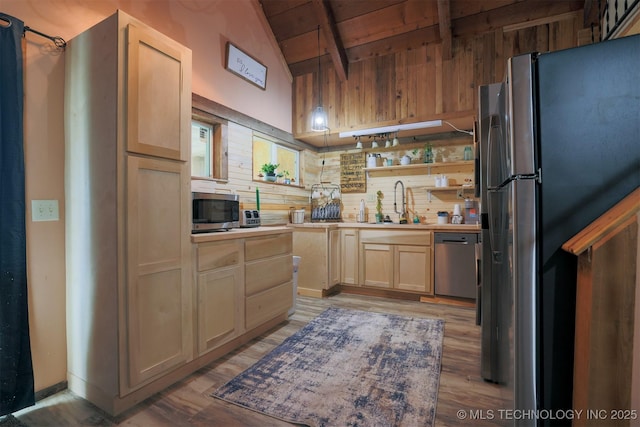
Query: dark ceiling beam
[[334, 45], [444, 22], [520, 12]]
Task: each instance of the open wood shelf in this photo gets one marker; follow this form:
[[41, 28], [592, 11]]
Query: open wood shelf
[[415, 166]]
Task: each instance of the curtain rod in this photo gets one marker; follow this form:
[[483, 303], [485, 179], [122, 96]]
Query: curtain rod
[[58, 41]]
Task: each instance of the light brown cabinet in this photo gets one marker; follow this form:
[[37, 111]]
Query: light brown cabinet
[[319, 249], [158, 272], [243, 283], [156, 69], [349, 249], [129, 287], [400, 260], [219, 293], [413, 268], [268, 278], [377, 265]]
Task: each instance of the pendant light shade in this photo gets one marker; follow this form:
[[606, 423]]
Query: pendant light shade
[[319, 119]]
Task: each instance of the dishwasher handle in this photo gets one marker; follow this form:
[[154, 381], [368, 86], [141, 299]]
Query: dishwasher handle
[[455, 242]]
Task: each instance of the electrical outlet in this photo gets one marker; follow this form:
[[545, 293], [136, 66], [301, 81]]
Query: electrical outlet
[[371, 198], [44, 210]]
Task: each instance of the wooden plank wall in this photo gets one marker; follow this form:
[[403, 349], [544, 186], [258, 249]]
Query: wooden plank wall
[[418, 84], [415, 182], [275, 199]]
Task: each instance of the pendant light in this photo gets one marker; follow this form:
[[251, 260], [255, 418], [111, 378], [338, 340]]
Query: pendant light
[[319, 120]]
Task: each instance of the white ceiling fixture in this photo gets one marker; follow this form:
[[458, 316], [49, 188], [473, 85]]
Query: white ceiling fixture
[[391, 129]]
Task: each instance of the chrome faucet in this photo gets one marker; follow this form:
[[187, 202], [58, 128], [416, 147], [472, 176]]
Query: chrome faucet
[[403, 211]]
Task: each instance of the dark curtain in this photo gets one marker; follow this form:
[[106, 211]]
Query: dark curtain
[[16, 370]]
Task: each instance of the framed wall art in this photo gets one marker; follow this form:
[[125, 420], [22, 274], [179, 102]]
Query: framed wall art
[[245, 66]]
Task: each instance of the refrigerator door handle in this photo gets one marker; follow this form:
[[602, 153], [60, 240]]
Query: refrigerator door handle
[[478, 247]]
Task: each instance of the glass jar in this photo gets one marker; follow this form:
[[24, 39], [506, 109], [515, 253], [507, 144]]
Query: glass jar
[[468, 153]]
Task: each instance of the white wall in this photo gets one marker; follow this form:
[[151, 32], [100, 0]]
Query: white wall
[[202, 25]]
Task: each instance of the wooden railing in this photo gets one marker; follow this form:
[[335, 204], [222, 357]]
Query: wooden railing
[[615, 14], [607, 361]]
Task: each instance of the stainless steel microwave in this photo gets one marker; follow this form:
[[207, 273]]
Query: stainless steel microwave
[[214, 212]]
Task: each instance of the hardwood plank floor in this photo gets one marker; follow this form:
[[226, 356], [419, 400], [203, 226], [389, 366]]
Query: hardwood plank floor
[[188, 403]]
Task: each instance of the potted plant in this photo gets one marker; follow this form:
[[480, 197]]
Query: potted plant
[[269, 170], [286, 174], [379, 197]]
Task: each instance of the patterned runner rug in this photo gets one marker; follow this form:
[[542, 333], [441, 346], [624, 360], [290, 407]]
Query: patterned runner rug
[[348, 368]]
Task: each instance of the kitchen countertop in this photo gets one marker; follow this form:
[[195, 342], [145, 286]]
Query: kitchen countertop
[[391, 226], [239, 233]]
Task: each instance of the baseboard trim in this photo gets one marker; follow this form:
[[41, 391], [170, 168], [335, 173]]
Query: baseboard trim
[[51, 390]]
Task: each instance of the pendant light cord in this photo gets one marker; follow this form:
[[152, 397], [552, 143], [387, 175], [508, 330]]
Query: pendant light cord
[[319, 70]]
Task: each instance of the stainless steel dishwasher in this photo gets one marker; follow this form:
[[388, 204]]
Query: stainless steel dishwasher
[[456, 261]]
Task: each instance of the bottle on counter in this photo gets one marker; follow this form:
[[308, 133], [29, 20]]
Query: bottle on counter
[[428, 153], [468, 153]]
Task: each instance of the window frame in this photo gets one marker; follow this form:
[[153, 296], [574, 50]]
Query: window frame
[[275, 145], [219, 145]]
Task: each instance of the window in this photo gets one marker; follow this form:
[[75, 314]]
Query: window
[[267, 150], [201, 149], [208, 147]]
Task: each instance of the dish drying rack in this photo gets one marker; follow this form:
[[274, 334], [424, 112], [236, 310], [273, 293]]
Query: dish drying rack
[[326, 203]]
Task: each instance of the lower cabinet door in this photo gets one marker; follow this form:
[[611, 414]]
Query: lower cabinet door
[[413, 269], [377, 265], [349, 255], [158, 303], [220, 300]]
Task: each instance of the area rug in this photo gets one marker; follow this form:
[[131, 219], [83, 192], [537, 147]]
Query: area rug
[[348, 368]]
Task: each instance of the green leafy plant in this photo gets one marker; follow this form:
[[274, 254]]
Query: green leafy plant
[[379, 197], [269, 168]]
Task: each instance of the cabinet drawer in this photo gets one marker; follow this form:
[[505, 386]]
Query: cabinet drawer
[[219, 254], [266, 305], [267, 273], [267, 246], [397, 237]]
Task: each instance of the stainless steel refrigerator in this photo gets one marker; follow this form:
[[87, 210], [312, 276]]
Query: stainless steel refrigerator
[[559, 144]]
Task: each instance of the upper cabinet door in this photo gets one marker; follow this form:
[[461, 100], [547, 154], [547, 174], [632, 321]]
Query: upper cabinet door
[[158, 95]]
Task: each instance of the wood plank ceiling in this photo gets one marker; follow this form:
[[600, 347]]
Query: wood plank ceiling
[[357, 30]]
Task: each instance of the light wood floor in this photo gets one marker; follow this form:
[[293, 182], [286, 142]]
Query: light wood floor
[[188, 403]]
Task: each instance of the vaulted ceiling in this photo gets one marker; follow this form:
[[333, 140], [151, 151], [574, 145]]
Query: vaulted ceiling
[[357, 30], [354, 30]]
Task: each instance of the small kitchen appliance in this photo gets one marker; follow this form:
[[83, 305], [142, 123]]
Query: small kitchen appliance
[[214, 212], [249, 218], [471, 214]]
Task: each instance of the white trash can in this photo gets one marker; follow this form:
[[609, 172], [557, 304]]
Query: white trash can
[[296, 263]]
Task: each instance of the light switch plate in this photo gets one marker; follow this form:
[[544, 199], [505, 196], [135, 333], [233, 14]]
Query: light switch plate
[[44, 210]]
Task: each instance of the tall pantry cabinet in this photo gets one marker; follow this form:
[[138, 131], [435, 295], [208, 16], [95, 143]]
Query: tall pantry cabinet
[[127, 185]]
